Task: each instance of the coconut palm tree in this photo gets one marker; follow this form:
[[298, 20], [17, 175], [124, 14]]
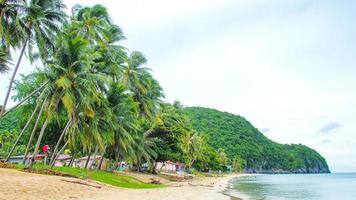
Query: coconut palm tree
[[38, 25], [144, 148], [132, 72], [75, 83], [10, 33], [78, 73], [125, 116], [98, 11], [191, 144], [72, 84], [113, 55], [140, 82], [91, 23], [4, 60]]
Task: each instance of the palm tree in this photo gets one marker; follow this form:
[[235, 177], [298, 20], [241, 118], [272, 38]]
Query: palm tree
[[140, 82], [113, 55], [91, 23], [78, 80], [173, 131], [10, 11], [132, 72], [38, 25], [125, 117], [75, 83], [9, 34], [191, 144], [4, 60], [98, 11], [144, 148]]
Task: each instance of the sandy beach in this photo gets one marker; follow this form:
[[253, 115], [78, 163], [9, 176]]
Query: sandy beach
[[20, 185]]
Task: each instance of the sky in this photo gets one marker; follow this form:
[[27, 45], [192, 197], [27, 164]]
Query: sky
[[286, 66]]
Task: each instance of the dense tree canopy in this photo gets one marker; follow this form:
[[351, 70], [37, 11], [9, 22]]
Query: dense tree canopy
[[246, 146]]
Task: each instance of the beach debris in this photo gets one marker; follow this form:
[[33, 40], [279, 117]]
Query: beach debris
[[202, 185], [81, 183], [155, 181]]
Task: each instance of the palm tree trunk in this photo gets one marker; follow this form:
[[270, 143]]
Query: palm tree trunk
[[25, 99], [13, 78], [86, 164], [59, 153], [138, 165], [163, 165], [33, 132], [100, 162], [154, 168], [59, 141], [22, 132], [38, 143], [71, 161], [94, 158], [116, 160]]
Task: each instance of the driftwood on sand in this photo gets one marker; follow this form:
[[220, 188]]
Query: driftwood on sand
[[191, 184], [81, 183], [155, 181]]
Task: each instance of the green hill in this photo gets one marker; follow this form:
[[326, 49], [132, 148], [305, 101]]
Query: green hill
[[239, 138]]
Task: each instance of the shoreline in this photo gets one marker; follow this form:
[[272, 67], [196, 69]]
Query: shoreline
[[226, 185], [240, 195], [21, 185]]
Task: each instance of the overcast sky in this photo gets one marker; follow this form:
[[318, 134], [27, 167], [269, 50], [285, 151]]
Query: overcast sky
[[286, 66]]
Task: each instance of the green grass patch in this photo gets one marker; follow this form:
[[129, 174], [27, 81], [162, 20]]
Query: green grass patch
[[110, 178]]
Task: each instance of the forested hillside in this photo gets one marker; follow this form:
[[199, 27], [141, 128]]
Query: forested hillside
[[241, 140]]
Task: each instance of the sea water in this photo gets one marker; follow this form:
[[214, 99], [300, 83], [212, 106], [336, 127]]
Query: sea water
[[336, 186]]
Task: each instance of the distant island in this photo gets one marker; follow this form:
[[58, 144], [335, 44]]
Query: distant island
[[239, 138]]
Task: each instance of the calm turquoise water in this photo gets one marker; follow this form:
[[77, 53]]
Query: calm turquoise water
[[295, 186]]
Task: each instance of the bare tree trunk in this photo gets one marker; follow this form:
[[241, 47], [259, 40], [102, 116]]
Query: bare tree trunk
[[86, 164], [94, 158], [59, 153], [22, 132], [33, 132], [59, 141], [38, 143], [25, 99], [13, 78]]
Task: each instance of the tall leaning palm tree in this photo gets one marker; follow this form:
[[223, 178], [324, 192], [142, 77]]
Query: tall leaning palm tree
[[38, 24], [137, 79], [125, 118]]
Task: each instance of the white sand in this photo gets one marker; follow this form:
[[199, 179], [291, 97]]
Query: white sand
[[20, 185]]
